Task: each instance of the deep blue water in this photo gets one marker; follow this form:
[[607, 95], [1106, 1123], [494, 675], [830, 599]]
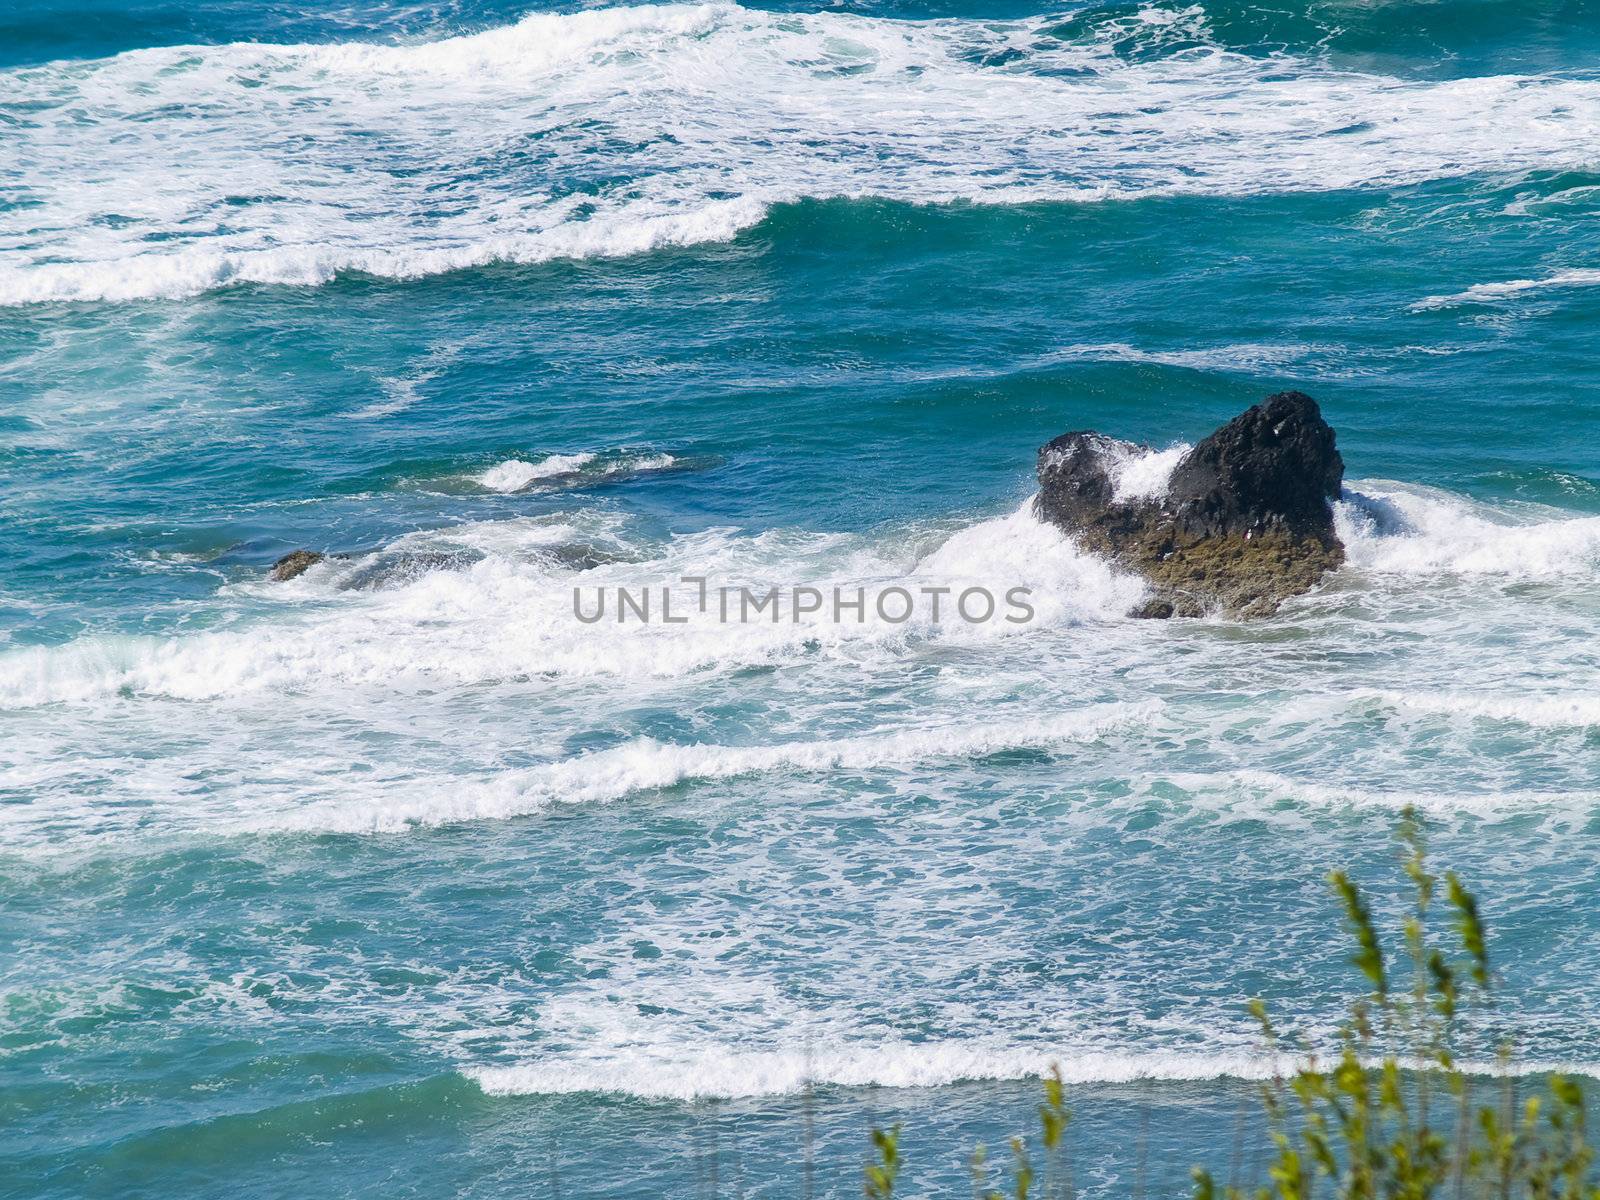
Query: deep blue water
[[397, 879]]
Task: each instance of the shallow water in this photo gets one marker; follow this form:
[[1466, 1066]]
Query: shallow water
[[397, 878]]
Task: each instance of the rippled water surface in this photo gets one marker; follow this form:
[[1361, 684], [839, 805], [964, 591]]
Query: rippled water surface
[[397, 879]]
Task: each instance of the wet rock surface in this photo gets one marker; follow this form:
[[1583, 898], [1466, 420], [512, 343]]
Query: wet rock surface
[[1242, 524], [294, 564]]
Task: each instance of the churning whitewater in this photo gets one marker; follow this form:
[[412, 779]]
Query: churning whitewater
[[419, 625], [164, 172], [355, 354]]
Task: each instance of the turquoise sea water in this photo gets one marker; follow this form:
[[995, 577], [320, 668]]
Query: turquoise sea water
[[397, 880]]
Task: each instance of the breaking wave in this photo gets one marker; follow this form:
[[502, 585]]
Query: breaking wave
[[647, 765], [167, 172], [520, 475], [730, 1072], [514, 474], [1401, 529], [1488, 293], [1536, 711], [494, 602]]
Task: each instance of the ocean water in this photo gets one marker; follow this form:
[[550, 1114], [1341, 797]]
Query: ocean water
[[396, 879]]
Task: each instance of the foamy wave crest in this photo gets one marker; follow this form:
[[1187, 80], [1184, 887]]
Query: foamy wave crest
[[519, 475], [645, 764], [494, 602], [1407, 530], [1542, 712], [1488, 293], [727, 1072], [514, 474], [1272, 787], [165, 172], [1252, 357]]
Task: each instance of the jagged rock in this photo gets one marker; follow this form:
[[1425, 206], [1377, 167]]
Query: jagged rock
[[294, 563], [1242, 524]]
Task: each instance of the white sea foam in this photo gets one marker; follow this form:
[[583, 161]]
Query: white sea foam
[[1573, 711], [1488, 293], [165, 172], [461, 644], [509, 615], [1275, 787], [1253, 357], [1066, 584], [728, 1072], [1145, 476], [645, 764], [650, 462], [1406, 530], [514, 474], [732, 1072]]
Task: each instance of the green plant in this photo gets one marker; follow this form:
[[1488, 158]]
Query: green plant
[[1056, 1183], [1392, 1115], [1368, 1122], [882, 1174]]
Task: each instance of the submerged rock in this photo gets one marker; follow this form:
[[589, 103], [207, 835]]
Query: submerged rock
[[392, 568], [296, 562], [1242, 523]]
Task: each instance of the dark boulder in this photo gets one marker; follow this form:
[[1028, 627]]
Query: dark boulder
[[1242, 523], [1273, 465], [294, 563]]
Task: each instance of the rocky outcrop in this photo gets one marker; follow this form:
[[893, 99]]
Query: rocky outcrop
[[1242, 523], [294, 563]]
